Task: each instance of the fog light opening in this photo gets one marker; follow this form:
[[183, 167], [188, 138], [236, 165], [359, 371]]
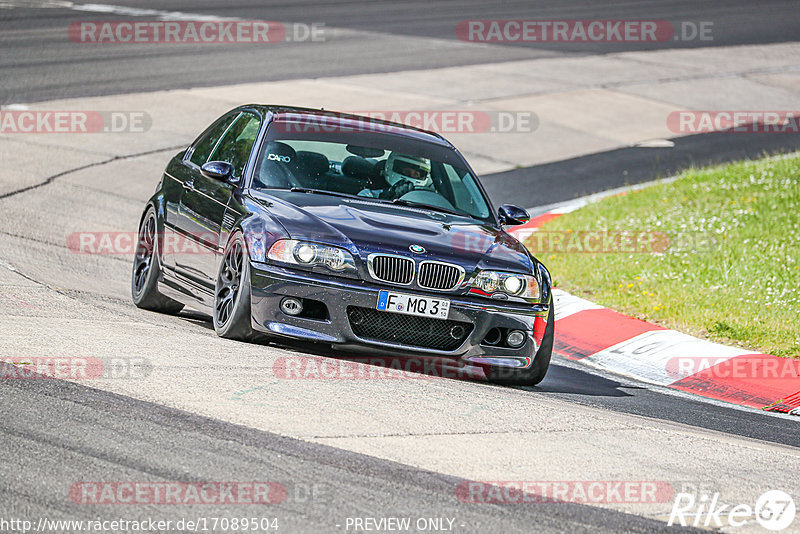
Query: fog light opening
[[493, 337], [457, 332], [357, 317], [515, 338], [291, 306]]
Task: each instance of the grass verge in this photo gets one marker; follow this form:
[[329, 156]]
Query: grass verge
[[715, 253]]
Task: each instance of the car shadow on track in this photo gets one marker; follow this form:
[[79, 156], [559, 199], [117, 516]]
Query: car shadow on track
[[569, 380], [197, 318], [363, 364]]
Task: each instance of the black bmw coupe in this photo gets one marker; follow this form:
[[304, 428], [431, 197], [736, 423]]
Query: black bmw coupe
[[344, 230]]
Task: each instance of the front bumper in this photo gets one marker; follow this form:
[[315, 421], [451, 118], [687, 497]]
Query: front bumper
[[270, 284]]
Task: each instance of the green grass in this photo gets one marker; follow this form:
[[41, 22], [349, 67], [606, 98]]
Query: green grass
[[730, 271]]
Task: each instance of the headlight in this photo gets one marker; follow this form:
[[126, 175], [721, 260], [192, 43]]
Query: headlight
[[311, 255], [511, 284]]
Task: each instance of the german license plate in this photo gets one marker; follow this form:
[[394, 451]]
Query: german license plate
[[413, 305]]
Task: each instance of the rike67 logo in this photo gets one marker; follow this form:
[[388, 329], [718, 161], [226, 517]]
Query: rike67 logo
[[774, 510]]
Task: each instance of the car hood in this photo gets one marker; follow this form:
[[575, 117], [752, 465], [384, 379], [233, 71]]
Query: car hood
[[366, 227]]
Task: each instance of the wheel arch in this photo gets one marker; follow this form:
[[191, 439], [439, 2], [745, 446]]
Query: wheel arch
[[158, 204], [257, 228]]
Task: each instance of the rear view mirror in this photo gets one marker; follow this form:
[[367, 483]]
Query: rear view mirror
[[365, 152]]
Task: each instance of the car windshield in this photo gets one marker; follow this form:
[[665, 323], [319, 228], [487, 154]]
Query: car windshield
[[384, 167]]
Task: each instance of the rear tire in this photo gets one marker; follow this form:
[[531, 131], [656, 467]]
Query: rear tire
[[541, 362], [232, 315], [147, 270]]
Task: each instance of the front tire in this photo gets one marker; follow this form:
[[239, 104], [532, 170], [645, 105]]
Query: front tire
[[232, 316], [541, 362], [147, 270]]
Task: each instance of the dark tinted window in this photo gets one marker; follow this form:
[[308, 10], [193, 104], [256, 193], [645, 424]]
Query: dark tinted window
[[204, 147], [238, 141]]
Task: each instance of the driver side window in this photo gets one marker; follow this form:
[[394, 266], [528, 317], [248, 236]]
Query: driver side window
[[237, 143], [203, 148]]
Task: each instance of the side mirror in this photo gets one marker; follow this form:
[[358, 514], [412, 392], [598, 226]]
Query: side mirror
[[217, 170], [511, 215]]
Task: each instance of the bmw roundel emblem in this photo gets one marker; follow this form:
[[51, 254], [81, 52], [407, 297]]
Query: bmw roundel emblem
[[417, 249]]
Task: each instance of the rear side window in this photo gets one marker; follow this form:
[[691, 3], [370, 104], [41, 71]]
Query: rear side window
[[203, 148], [237, 143]]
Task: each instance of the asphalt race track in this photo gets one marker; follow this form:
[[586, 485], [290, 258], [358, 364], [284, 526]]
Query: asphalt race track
[[36, 65], [329, 484], [207, 409]]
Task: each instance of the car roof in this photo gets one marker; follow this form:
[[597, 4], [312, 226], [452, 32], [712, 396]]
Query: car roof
[[345, 120]]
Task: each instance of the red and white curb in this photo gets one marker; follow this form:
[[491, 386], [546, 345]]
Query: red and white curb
[[608, 340]]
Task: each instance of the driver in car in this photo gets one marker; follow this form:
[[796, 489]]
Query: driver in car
[[403, 174]]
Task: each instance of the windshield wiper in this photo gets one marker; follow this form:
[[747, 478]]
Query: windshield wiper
[[402, 202], [321, 192], [412, 204]]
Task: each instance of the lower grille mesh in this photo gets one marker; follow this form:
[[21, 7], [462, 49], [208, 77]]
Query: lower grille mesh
[[436, 334]]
